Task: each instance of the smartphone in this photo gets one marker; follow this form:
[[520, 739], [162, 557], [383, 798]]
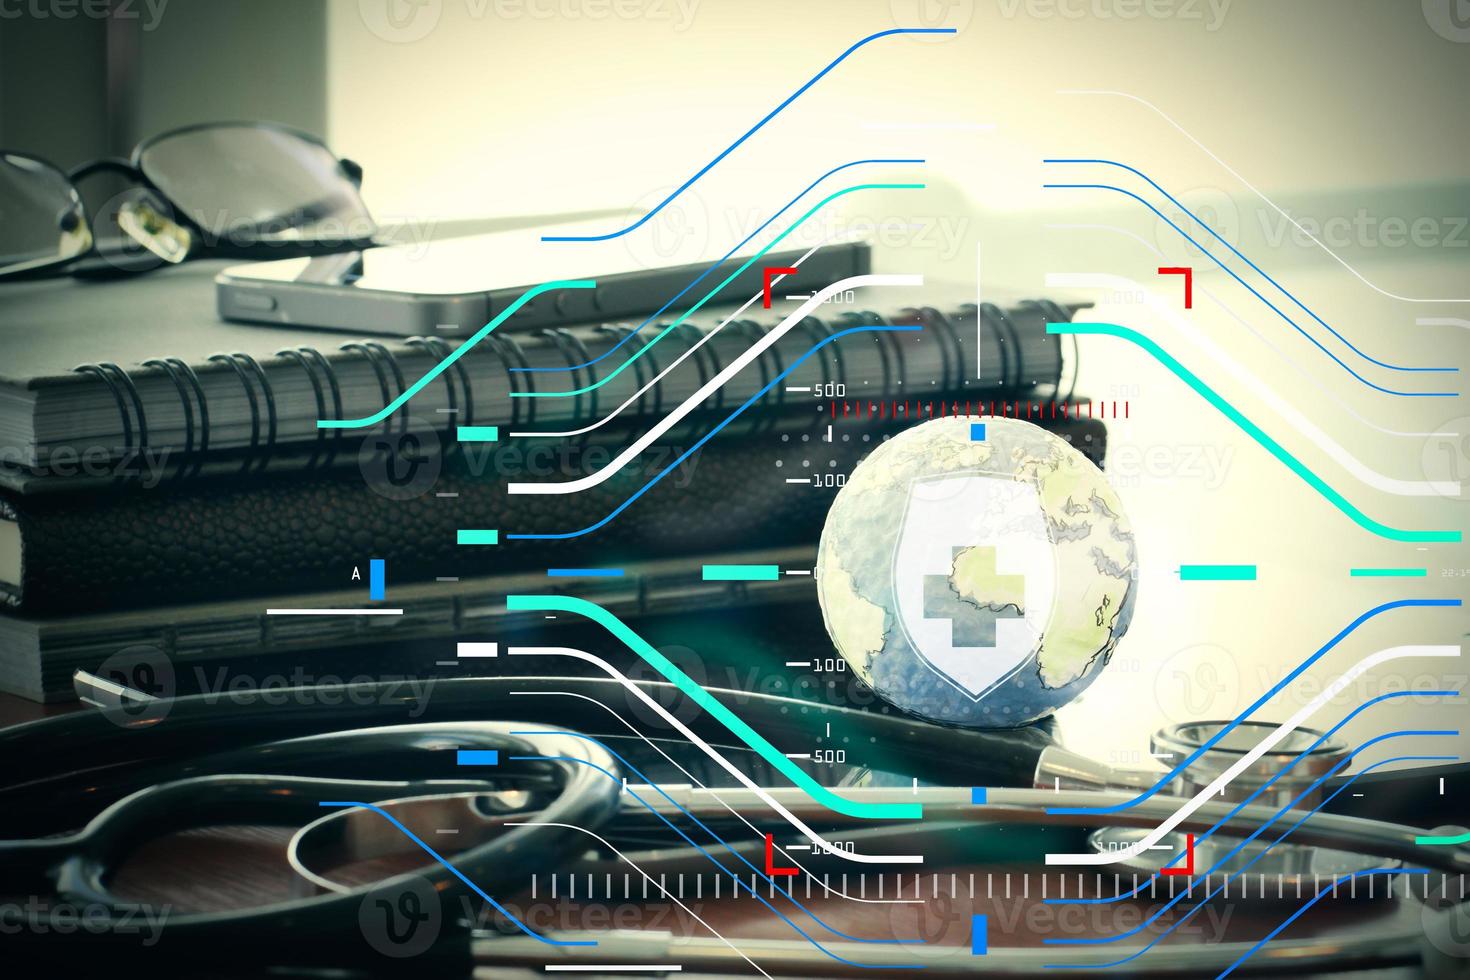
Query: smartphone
[[460, 284]]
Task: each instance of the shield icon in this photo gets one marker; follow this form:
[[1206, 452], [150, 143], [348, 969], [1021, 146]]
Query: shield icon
[[974, 576]]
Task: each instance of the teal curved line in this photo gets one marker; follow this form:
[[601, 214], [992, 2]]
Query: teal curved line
[[707, 701], [712, 293], [1253, 430], [1457, 839], [459, 351]]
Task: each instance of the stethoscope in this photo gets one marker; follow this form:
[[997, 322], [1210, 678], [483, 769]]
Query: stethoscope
[[126, 773]]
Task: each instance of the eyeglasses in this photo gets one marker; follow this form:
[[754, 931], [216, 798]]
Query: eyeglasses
[[225, 189]]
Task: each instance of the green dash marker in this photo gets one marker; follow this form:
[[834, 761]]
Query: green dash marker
[[473, 536], [1217, 573], [741, 573], [1388, 572], [477, 433]]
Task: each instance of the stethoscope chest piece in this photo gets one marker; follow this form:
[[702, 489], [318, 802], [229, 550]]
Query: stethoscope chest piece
[[1289, 774]]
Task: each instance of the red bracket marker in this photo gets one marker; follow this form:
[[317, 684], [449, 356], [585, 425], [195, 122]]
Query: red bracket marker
[[1188, 273], [1188, 868], [770, 855], [766, 274]]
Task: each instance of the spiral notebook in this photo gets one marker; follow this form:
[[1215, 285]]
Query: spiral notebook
[[137, 380]]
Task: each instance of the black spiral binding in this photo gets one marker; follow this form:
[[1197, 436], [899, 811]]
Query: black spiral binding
[[186, 382], [378, 350], [439, 351], [367, 350], [755, 333], [321, 403], [947, 331], [320, 360], [507, 350], [238, 362], [715, 366], [570, 348], [816, 328], [1056, 314], [683, 334], [1010, 378], [619, 333], [654, 370], [117, 380]]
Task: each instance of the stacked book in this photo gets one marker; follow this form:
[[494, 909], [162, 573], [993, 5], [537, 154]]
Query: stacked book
[[164, 482]]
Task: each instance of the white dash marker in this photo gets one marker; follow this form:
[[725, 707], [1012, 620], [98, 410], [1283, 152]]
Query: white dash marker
[[477, 650]]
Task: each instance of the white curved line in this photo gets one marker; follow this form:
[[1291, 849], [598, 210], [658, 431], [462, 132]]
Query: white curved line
[[714, 754], [1304, 425], [646, 877], [713, 384], [721, 800], [1246, 761], [1234, 173], [677, 361], [1307, 375]]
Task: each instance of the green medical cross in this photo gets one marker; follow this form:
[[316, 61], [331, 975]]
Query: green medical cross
[[969, 625]]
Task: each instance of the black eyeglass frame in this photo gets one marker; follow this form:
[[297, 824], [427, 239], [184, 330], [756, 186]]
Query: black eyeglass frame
[[207, 243]]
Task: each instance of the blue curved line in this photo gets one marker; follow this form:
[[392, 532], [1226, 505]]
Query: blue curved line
[[748, 133], [675, 298], [1260, 830], [1276, 309], [458, 874], [1124, 896], [799, 931], [1216, 891], [715, 431], [1313, 901], [770, 881], [1308, 310], [1210, 742]]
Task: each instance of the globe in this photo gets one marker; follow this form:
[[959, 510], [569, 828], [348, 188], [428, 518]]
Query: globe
[[976, 575]]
